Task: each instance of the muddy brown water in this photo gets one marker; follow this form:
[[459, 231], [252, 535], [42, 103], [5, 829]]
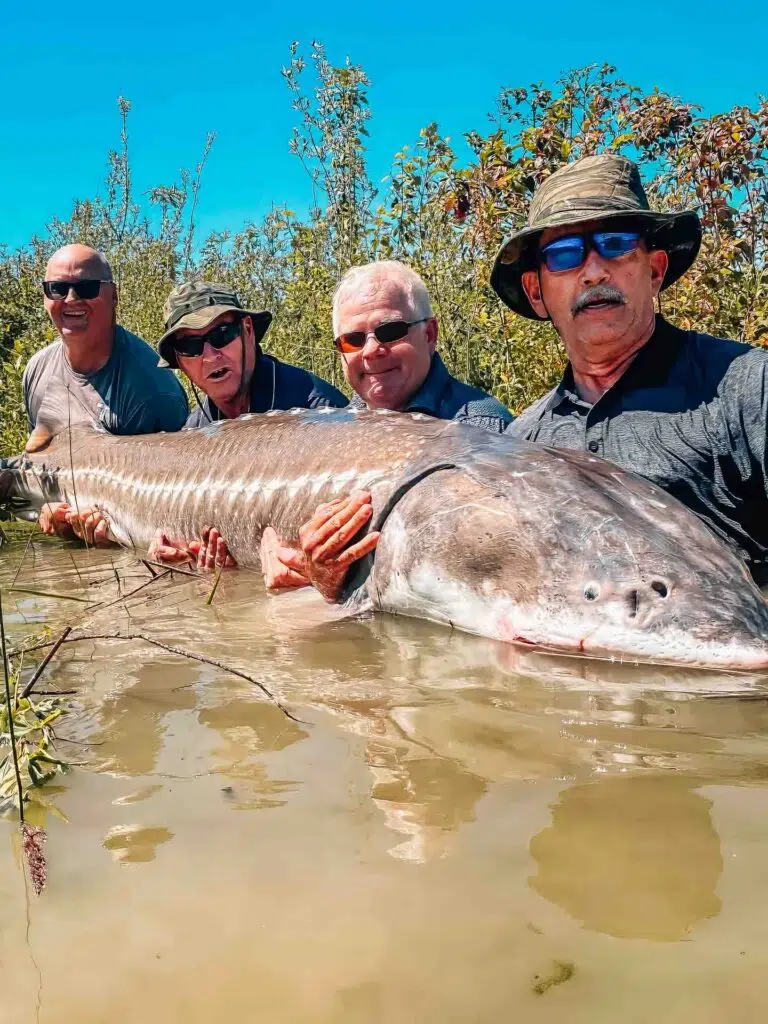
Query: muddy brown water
[[455, 831]]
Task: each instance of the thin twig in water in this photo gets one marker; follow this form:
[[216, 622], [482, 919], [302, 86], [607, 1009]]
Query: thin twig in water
[[45, 662], [72, 463], [18, 569], [171, 568], [209, 599], [74, 564], [48, 593], [147, 583], [173, 650], [9, 711], [149, 567]]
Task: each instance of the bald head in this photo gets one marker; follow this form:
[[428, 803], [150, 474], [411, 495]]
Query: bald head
[[85, 318], [73, 262]]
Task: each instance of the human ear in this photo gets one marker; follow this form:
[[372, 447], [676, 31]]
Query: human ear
[[532, 289], [432, 332], [658, 261]]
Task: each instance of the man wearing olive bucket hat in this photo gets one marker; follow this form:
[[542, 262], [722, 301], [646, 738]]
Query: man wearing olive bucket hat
[[211, 338], [216, 342], [686, 410]]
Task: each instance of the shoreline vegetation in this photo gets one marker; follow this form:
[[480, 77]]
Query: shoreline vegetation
[[444, 208]]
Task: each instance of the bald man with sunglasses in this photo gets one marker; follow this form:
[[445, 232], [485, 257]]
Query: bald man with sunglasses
[[96, 372]]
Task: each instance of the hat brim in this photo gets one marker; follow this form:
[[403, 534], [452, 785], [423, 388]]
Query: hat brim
[[678, 234], [200, 318]]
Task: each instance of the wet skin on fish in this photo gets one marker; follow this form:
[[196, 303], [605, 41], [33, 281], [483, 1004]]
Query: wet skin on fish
[[483, 532]]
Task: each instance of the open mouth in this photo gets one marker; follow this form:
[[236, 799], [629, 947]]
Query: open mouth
[[74, 316], [218, 374], [599, 304]]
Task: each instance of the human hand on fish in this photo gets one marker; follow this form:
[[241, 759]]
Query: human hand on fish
[[325, 537], [284, 568], [210, 552], [54, 521], [89, 524]]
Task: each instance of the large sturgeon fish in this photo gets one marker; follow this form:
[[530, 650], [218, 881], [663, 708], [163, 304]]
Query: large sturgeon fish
[[486, 533]]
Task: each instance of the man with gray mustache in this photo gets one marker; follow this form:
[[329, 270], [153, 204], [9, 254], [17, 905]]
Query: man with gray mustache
[[683, 409]]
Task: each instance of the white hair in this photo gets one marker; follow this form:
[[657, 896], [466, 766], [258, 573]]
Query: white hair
[[374, 275]]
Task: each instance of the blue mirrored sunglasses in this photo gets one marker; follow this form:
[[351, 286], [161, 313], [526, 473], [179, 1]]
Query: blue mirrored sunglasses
[[570, 251]]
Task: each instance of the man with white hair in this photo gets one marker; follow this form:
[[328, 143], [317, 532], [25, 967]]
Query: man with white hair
[[386, 333]]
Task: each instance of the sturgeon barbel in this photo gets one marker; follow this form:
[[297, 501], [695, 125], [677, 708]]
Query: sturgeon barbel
[[483, 532]]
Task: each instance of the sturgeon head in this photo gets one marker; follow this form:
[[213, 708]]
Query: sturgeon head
[[569, 553]]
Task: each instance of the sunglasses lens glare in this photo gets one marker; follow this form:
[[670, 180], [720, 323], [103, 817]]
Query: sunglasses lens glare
[[563, 254], [350, 342], [612, 244]]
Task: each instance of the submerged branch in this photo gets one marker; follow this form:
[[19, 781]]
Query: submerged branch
[[45, 662], [182, 652]]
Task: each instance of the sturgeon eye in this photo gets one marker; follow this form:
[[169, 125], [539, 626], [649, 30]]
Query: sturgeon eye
[[591, 592], [660, 587]]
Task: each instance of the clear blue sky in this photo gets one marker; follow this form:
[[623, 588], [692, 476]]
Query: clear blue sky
[[190, 67]]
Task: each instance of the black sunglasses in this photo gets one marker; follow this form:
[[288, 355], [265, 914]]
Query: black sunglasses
[[192, 345], [83, 289], [392, 330]]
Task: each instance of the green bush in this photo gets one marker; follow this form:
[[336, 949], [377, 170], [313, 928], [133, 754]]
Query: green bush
[[443, 216]]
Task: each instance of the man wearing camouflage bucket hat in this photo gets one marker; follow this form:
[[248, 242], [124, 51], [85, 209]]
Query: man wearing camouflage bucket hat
[[686, 410], [216, 342]]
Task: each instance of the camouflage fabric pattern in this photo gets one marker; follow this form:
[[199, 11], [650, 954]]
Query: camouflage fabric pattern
[[604, 187], [196, 304]]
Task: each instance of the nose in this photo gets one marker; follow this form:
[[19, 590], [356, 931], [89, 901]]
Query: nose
[[594, 270], [373, 347], [71, 295], [210, 351]]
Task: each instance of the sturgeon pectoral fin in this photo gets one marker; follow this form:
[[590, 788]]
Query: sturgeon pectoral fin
[[39, 439]]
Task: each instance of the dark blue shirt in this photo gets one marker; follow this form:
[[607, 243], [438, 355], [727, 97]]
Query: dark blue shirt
[[690, 414], [447, 398], [276, 385]]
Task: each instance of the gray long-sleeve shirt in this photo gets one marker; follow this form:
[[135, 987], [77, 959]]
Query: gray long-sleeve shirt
[[690, 414]]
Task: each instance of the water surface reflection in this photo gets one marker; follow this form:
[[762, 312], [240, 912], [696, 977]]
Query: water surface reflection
[[448, 819]]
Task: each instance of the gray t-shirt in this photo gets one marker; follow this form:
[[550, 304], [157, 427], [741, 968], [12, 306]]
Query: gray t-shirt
[[129, 395]]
